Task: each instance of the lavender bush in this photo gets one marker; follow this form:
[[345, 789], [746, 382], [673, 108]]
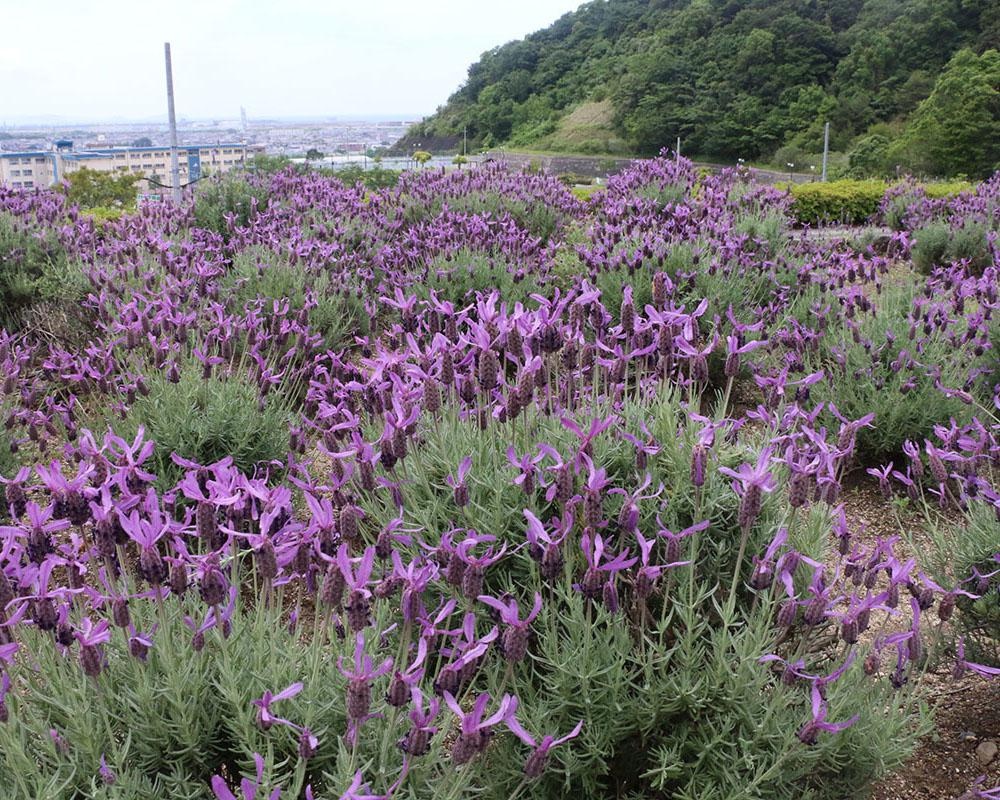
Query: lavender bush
[[466, 487]]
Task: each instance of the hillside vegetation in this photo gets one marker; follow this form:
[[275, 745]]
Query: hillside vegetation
[[903, 82]]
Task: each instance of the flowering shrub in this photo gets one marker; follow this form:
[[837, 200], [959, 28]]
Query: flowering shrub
[[31, 258], [584, 538], [226, 203], [204, 420], [910, 377]]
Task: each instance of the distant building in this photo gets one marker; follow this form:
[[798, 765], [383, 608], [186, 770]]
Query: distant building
[[43, 168], [28, 169]]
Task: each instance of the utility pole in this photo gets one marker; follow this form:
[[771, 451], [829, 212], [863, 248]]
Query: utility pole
[[175, 170], [677, 152], [826, 147], [465, 140]]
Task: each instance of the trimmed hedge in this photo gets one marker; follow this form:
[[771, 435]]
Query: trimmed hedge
[[851, 202], [847, 202]]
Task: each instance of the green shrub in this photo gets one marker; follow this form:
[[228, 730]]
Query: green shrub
[[903, 196], [538, 218], [33, 267], [938, 189], [960, 556], [8, 466], [229, 194], [180, 716], [769, 228], [670, 706], [374, 178], [90, 189], [869, 237], [930, 245], [651, 715], [862, 375], [849, 202], [937, 244], [336, 314], [869, 157], [102, 215], [896, 209], [969, 243], [205, 420], [664, 194], [585, 192], [573, 179]]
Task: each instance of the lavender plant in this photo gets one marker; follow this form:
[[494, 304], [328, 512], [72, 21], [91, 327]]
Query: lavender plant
[[514, 537]]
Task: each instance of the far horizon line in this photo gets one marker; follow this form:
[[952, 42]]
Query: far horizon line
[[53, 120]]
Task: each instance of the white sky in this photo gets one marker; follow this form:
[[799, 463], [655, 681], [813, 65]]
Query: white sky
[[104, 58]]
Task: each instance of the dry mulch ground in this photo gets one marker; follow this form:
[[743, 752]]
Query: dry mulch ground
[[967, 718], [966, 712]]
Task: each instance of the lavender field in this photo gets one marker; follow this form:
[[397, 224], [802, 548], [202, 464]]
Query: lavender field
[[469, 488]]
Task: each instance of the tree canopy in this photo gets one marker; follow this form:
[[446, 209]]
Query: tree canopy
[[89, 189], [732, 78]]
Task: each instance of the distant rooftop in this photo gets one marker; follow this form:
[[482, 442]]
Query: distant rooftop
[[98, 152], [126, 148], [24, 153]]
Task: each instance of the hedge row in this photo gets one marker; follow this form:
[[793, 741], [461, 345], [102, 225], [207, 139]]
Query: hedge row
[[850, 202]]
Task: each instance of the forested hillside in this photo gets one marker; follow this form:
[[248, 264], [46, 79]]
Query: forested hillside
[[747, 79]]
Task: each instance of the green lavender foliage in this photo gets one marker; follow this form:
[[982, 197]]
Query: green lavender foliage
[[937, 245], [34, 268], [539, 219], [867, 383], [8, 466], [458, 277], [335, 313], [678, 706], [770, 229], [959, 556], [232, 194], [207, 420], [492, 493]]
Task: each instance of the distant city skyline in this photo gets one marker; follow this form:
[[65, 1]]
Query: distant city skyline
[[298, 59]]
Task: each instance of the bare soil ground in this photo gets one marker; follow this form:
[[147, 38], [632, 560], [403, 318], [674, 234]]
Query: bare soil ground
[[966, 711]]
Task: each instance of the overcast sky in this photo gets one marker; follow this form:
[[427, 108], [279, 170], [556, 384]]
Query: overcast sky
[[104, 59]]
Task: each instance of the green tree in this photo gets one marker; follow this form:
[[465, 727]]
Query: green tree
[[869, 157], [89, 188], [732, 78], [312, 154], [957, 129], [422, 157]]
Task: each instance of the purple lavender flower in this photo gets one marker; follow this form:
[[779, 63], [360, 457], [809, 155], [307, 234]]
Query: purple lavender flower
[[108, 777], [248, 788], [962, 665], [475, 730], [91, 636], [417, 740], [750, 482], [265, 719], [537, 761], [545, 548], [359, 680], [527, 467], [514, 642], [594, 584], [809, 733], [460, 488]]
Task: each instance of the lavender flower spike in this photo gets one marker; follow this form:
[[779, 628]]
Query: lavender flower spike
[[535, 765]]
